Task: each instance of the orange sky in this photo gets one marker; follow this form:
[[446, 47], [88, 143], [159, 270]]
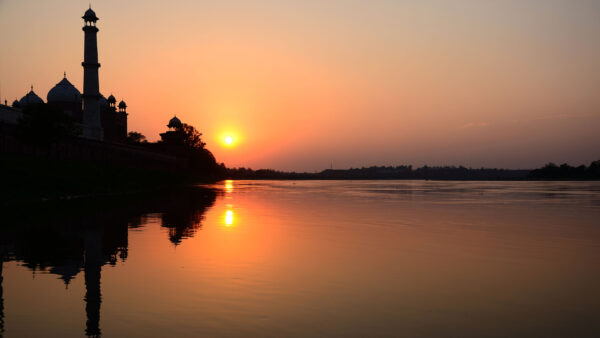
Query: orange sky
[[302, 84]]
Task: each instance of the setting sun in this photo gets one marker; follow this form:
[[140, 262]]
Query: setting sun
[[228, 140]]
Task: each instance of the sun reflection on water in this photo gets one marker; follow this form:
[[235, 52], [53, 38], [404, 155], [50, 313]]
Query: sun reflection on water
[[229, 186], [229, 218]]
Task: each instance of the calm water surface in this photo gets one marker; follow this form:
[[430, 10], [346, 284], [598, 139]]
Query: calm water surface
[[309, 258]]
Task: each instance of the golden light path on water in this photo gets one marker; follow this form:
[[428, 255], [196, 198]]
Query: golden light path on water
[[228, 186], [229, 218], [314, 258]]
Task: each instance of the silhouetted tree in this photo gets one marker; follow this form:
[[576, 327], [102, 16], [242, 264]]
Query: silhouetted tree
[[192, 137], [45, 124], [134, 137], [565, 172], [384, 173], [594, 170]]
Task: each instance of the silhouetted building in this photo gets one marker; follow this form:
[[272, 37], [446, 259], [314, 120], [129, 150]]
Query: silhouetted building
[[92, 128], [175, 135], [99, 117], [114, 120], [29, 99]]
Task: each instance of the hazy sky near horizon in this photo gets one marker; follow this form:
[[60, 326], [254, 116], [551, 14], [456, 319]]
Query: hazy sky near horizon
[[303, 84]]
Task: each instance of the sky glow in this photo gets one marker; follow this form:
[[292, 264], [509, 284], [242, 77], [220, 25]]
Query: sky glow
[[301, 84]]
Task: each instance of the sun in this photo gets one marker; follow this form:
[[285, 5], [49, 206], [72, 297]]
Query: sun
[[228, 138]]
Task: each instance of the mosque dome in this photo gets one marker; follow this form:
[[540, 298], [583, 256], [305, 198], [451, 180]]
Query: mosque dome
[[122, 104], [90, 15], [175, 123], [30, 98], [15, 104], [63, 92], [111, 99]]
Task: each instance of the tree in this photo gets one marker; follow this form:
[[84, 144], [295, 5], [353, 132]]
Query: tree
[[45, 124], [134, 137], [594, 170], [192, 137]]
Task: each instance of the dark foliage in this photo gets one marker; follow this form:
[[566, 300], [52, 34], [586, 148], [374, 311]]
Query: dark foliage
[[186, 142], [192, 138], [43, 124], [382, 173], [134, 137], [552, 171]]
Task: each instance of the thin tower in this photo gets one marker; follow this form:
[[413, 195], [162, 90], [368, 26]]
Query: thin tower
[[92, 128]]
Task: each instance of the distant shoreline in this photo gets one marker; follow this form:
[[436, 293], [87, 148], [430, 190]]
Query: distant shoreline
[[550, 172], [413, 179]]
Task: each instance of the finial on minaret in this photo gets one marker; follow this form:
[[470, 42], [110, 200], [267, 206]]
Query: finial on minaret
[[31, 87], [65, 74]]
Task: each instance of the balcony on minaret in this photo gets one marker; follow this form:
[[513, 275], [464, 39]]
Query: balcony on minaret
[[122, 107], [112, 102], [90, 17]]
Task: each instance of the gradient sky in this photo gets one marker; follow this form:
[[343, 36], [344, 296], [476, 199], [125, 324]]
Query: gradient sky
[[303, 84]]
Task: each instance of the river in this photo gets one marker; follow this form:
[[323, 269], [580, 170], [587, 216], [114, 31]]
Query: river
[[309, 258]]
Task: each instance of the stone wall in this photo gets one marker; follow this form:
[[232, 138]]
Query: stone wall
[[9, 115], [93, 151]]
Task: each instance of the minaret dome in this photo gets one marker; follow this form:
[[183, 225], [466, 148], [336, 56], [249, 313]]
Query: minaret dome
[[90, 16], [122, 106]]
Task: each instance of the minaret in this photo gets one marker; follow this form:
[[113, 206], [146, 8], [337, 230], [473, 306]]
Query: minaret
[[92, 129]]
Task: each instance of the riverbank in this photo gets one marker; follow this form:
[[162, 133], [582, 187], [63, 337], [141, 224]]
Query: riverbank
[[27, 179]]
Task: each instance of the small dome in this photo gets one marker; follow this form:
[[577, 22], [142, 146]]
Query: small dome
[[63, 92], [111, 99], [103, 102], [175, 123], [30, 98], [15, 103], [122, 104], [90, 15]]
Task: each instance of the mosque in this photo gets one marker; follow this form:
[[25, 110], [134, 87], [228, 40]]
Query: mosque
[[101, 118]]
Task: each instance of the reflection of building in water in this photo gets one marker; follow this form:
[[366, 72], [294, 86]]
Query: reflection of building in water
[[1, 297], [65, 247], [5, 241], [183, 216]]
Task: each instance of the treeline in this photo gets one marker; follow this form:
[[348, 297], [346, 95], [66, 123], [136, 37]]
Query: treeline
[[552, 171], [405, 172]]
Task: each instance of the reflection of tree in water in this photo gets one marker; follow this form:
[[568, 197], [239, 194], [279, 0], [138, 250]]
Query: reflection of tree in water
[[183, 216], [83, 236], [1, 296]]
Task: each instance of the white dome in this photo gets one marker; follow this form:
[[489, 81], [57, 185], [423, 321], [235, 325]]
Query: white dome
[[63, 92], [30, 98]]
